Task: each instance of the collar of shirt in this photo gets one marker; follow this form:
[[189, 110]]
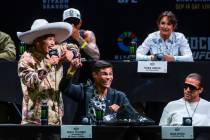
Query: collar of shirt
[[39, 56], [169, 40]]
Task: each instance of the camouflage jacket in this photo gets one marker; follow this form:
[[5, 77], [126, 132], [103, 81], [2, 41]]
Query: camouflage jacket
[[40, 83], [7, 47]]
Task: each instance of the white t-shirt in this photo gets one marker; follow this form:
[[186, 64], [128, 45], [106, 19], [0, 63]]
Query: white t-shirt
[[174, 112]]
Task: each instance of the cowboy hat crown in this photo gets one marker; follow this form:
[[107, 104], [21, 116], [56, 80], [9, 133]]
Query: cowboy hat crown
[[41, 27]]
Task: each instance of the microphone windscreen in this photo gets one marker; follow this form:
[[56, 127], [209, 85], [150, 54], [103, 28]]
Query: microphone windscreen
[[53, 52], [85, 121]]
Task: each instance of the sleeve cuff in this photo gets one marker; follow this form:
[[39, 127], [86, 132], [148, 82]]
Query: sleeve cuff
[[70, 73]]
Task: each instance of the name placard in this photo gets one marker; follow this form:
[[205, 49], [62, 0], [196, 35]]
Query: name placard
[[152, 66], [76, 131], [177, 132]]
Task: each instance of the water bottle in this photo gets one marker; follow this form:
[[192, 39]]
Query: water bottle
[[99, 116], [22, 48], [132, 50], [44, 113]]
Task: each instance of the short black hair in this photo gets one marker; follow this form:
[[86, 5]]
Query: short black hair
[[100, 64], [72, 20]]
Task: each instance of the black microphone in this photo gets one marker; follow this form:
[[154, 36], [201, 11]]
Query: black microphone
[[53, 52], [187, 121], [158, 57]]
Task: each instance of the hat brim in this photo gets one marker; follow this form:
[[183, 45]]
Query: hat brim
[[61, 31]]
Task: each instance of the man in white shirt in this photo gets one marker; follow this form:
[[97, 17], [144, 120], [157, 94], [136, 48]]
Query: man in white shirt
[[189, 110]]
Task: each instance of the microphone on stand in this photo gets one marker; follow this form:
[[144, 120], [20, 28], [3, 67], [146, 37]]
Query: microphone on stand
[[86, 121], [158, 57]]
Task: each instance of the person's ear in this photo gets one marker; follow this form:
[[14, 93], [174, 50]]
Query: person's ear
[[158, 24], [80, 23], [201, 90], [37, 43], [174, 27], [94, 74]]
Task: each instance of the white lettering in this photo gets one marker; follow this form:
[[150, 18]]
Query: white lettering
[[199, 43], [127, 1], [201, 55], [202, 43], [134, 1]]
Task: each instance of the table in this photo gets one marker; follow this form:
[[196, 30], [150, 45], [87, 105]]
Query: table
[[103, 132]]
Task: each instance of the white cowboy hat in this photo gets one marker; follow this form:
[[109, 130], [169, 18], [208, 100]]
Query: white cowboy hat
[[41, 27]]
